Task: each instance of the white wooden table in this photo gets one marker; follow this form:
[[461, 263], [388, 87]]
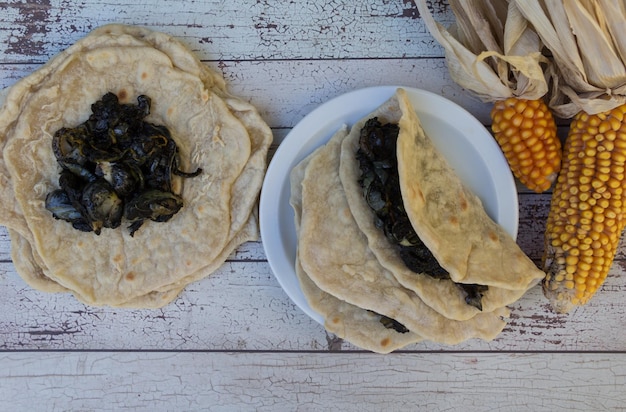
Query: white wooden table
[[235, 341]]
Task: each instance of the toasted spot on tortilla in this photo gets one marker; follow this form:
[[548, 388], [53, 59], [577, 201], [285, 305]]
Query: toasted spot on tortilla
[[118, 258], [144, 75], [336, 320], [493, 236], [463, 202], [130, 276], [416, 193], [346, 214], [122, 94], [170, 111], [385, 342], [411, 192]]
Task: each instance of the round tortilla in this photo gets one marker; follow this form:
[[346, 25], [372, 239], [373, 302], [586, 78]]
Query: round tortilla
[[217, 132], [335, 255], [440, 294], [34, 272]]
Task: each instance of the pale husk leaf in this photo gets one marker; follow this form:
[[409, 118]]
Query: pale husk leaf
[[582, 40], [479, 25], [602, 63], [615, 13], [484, 66]]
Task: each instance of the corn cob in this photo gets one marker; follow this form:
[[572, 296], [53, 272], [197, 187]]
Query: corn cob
[[526, 133], [586, 215], [496, 55]]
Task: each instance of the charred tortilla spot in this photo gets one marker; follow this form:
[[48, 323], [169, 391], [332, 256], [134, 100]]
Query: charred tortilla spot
[[336, 320], [385, 342], [493, 236], [130, 276], [122, 95], [144, 75], [170, 111], [463, 202], [118, 258]]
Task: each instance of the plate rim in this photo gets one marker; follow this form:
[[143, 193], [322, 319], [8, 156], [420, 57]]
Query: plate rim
[[290, 152]]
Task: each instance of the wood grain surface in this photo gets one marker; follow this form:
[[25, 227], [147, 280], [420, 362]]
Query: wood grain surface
[[235, 341], [283, 381]]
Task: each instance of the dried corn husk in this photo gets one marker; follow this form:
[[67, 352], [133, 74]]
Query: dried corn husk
[[491, 50], [586, 39]]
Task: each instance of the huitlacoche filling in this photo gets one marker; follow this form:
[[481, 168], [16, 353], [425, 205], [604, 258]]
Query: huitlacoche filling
[[115, 166], [380, 183]]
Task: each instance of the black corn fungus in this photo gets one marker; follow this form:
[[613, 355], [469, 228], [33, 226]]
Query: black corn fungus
[[393, 324], [380, 183], [115, 165], [390, 323]]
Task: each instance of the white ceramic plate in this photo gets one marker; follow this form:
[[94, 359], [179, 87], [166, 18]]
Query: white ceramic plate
[[462, 139]]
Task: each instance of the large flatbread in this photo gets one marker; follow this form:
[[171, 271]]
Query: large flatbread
[[450, 219], [440, 294], [220, 133], [335, 254], [356, 325], [34, 272]]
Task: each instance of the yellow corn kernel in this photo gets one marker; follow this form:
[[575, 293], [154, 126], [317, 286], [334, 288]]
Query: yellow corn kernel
[[587, 209], [616, 121], [526, 133]]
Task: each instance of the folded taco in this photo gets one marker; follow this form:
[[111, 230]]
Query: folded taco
[[422, 223], [364, 328]]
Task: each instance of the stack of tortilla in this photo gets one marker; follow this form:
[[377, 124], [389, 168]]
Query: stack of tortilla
[[215, 131], [355, 278]]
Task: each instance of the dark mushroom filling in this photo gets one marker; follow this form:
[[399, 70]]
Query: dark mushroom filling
[[393, 324], [381, 188], [115, 166]]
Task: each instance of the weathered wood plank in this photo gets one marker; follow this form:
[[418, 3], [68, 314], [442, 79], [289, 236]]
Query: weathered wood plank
[[292, 381], [234, 30], [242, 307], [533, 213], [5, 245], [286, 91], [239, 307]]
